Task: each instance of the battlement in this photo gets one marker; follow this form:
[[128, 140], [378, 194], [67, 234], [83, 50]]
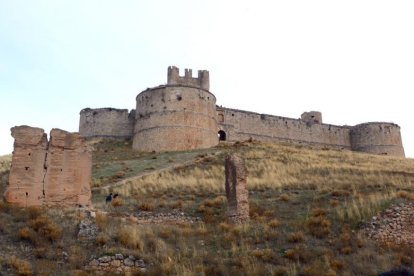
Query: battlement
[[202, 81]]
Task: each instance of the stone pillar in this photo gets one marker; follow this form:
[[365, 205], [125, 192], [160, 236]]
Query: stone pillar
[[236, 191], [69, 164], [27, 172]]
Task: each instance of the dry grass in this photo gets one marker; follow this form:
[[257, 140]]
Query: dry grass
[[306, 208], [130, 237]]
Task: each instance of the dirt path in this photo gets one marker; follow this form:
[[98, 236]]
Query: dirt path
[[140, 175]]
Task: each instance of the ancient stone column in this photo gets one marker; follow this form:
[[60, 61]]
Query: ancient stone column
[[27, 172], [236, 191], [69, 163]]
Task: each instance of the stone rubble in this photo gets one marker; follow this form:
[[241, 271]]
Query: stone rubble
[[174, 217], [118, 264], [87, 229], [395, 225]]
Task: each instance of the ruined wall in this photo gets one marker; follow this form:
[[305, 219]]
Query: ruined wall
[[175, 117], [57, 173], [377, 138], [241, 125], [68, 173], [28, 167], [107, 123], [202, 81]]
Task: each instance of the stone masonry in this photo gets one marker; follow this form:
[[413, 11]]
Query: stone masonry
[[236, 190], [183, 115], [57, 173]]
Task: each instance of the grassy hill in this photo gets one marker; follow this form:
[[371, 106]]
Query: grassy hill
[[307, 208]]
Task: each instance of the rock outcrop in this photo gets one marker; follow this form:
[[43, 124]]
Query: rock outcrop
[[57, 173], [236, 191]]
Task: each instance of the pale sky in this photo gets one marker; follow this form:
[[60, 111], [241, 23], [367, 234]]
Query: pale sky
[[351, 60]]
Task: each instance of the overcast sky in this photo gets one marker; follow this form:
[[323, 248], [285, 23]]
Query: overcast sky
[[351, 60]]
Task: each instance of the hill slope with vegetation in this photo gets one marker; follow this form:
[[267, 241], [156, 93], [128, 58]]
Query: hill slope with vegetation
[[307, 209]]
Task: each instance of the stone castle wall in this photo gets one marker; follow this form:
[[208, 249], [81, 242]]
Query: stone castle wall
[[175, 117], [107, 122], [57, 173], [242, 125], [182, 115]]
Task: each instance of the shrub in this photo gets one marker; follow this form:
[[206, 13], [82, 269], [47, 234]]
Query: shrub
[[117, 202], [130, 237], [273, 223], [22, 267], [296, 237], [102, 239], [284, 197]]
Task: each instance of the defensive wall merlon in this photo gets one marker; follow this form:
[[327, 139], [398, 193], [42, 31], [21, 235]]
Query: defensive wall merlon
[[182, 115]]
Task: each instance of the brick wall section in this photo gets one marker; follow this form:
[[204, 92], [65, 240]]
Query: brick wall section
[[236, 189], [57, 173], [175, 117], [107, 123]]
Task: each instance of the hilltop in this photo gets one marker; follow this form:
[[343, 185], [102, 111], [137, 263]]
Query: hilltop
[[309, 209]]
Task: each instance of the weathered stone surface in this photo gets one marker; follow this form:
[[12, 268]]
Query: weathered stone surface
[[68, 174], [55, 173], [236, 191], [182, 115], [27, 171]]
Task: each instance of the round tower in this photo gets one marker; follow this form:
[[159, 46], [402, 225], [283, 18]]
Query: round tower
[[178, 116], [377, 138]]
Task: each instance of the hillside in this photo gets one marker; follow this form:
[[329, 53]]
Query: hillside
[[308, 209]]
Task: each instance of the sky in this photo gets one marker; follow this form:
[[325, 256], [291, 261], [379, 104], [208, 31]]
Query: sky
[[351, 60]]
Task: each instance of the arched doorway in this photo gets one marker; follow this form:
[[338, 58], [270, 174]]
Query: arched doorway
[[222, 135]]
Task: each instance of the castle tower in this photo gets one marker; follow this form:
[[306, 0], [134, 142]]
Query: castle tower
[[377, 138], [178, 116]]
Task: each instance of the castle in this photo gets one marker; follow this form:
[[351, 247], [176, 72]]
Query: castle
[[182, 115]]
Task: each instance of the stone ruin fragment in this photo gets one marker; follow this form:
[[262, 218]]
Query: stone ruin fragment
[[54, 173], [236, 191]]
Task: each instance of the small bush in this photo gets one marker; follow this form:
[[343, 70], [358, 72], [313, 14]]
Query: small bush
[[117, 202], [46, 228], [130, 237], [24, 233], [265, 255], [147, 207], [284, 197], [102, 239], [22, 267], [406, 195], [101, 220], [296, 237], [273, 223]]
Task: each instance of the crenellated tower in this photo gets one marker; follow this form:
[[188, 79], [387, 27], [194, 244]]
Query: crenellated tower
[[202, 81], [178, 116]]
